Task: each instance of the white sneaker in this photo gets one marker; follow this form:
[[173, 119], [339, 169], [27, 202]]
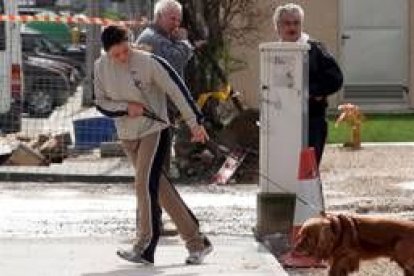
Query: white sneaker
[[197, 257]]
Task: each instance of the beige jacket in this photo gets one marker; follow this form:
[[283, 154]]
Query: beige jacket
[[146, 79]]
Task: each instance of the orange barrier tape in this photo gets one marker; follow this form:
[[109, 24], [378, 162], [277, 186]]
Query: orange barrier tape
[[71, 20]]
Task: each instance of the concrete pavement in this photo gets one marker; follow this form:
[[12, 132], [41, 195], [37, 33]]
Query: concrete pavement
[[96, 257], [74, 229]]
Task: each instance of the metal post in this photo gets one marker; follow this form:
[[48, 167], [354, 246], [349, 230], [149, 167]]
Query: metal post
[[92, 52]]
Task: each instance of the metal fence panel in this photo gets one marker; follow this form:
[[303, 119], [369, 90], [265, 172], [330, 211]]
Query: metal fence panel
[[53, 131]]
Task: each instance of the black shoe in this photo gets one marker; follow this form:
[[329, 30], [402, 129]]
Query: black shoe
[[134, 256]]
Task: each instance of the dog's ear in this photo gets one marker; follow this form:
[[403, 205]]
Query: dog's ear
[[306, 240], [298, 241], [326, 241]]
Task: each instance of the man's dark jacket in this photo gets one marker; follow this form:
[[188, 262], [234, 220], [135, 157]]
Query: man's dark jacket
[[325, 78]]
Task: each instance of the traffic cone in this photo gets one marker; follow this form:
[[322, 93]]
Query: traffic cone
[[309, 204]]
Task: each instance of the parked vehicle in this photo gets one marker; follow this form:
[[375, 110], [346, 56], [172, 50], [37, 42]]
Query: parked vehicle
[[48, 84], [35, 43], [70, 71], [11, 85], [35, 39], [30, 10]]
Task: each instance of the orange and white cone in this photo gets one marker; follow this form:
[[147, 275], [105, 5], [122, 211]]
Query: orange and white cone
[[309, 204]]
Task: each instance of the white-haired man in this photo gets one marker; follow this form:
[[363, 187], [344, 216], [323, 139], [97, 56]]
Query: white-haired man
[[325, 76], [165, 38]]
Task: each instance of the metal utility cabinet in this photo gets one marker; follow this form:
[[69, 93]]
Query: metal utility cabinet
[[283, 132]]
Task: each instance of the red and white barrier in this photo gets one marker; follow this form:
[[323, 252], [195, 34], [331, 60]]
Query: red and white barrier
[[309, 203], [71, 20]]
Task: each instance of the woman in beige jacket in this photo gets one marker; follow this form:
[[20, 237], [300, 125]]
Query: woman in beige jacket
[[129, 84]]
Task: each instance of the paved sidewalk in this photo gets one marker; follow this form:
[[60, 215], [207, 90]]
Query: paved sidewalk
[[96, 257]]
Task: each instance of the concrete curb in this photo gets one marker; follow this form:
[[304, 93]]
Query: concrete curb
[[52, 177]]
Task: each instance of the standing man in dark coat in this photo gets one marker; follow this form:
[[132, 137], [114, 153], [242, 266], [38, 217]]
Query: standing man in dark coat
[[325, 76]]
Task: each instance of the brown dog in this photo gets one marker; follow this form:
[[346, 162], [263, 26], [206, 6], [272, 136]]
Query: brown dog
[[345, 240]]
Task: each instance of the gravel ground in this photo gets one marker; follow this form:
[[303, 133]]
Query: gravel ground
[[88, 210], [374, 180]]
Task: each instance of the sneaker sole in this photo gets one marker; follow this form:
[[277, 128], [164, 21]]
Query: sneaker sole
[[135, 261]]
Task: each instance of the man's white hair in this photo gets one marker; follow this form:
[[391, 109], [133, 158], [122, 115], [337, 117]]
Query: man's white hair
[[290, 8], [162, 5]]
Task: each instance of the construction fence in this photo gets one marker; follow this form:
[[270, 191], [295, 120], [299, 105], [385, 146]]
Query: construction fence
[[49, 126], [50, 129]]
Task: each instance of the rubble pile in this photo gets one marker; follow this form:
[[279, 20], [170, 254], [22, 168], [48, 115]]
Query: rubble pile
[[20, 150], [200, 162]]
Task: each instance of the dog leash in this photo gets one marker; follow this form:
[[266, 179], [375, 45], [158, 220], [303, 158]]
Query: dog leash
[[226, 152], [151, 115]]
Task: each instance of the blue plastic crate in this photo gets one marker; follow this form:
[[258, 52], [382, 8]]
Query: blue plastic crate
[[91, 132]]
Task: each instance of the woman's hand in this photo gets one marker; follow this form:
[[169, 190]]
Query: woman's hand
[[135, 109], [199, 134]]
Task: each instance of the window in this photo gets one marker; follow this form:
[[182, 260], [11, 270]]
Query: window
[[2, 29], [51, 46], [29, 43]]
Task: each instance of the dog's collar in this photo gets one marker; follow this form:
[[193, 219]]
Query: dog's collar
[[341, 233], [354, 230]]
